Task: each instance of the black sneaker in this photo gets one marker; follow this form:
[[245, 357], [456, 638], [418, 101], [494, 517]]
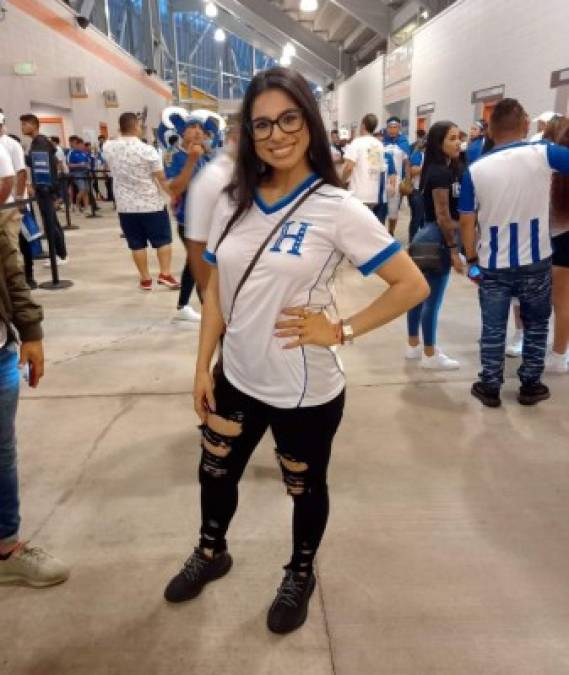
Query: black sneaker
[[198, 570], [530, 394], [290, 608], [486, 395]]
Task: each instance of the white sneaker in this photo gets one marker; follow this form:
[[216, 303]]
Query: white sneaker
[[188, 313], [58, 260], [439, 361], [556, 363], [413, 353], [516, 344], [32, 566]]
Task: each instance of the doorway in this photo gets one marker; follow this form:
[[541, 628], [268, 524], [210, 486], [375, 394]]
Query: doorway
[[421, 124], [104, 130], [52, 126], [487, 110]]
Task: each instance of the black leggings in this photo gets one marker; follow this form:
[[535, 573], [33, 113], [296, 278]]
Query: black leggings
[[187, 282], [303, 437]]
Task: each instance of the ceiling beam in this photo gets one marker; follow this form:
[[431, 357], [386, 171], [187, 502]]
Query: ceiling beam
[[262, 41], [373, 13], [354, 36], [336, 25], [267, 18], [370, 48]]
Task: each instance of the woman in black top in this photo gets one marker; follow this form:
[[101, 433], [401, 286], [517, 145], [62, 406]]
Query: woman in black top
[[440, 185]]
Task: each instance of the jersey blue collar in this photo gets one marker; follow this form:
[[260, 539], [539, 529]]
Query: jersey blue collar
[[287, 199]]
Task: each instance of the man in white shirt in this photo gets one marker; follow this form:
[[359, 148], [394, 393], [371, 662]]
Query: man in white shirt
[[364, 163], [11, 219], [203, 195], [504, 205], [138, 176]]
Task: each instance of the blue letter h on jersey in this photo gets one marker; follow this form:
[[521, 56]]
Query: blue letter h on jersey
[[297, 238]]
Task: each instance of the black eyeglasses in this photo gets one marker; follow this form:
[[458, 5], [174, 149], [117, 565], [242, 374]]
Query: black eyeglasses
[[289, 122]]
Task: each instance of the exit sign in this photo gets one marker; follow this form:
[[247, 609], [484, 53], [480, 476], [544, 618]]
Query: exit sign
[[25, 68]]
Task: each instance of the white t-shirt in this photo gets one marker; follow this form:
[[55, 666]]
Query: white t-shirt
[[367, 154], [203, 195], [132, 164], [60, 156], [6, 167], [296, 270]]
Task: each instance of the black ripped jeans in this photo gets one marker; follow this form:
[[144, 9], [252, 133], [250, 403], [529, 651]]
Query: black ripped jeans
[[303, 438]]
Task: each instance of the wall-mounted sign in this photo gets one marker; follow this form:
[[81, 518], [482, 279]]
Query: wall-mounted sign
[[77, 87], [111, 100], [489, 94], [425, 109], [27, 68], [559, 78]]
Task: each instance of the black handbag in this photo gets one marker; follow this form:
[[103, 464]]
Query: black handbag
[[428, 256]]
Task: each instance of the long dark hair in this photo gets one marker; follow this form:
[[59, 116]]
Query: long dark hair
[[250, 172], [434, 154]]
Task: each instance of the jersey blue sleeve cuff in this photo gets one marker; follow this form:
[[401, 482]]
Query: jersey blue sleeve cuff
[[380, 259], [558, 158], [210, 258], [467, 200]]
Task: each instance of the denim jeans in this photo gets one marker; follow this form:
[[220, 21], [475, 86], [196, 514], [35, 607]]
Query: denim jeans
[[531, 284], [426, 314], [9, 390]]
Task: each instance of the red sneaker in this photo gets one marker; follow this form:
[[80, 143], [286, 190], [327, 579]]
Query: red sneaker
[[145, 285], [169, 281]]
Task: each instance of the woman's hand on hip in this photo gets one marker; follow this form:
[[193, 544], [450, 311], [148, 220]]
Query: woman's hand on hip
[[307, 328], [204, 401]]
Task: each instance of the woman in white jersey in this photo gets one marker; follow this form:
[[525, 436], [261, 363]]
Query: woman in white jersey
[[278, 236]]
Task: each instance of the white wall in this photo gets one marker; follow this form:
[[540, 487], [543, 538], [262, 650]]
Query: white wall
[[361, 94], [477, 44], [44, 32]]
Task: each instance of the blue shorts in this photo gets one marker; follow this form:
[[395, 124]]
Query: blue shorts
[[82, 184], [141, 228]]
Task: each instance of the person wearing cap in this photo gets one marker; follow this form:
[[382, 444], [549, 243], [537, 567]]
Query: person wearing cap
[[138, 177], [476, 142], [542, 121], [397, 145], [181, 166]]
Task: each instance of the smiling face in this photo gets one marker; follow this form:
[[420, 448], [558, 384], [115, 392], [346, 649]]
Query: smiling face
[[451, 143], [281, 150]]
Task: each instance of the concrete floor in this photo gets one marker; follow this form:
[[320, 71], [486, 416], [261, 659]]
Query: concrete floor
[[448, 545]]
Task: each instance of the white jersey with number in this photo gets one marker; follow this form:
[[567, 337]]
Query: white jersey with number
[[296, 269], [367, 153]]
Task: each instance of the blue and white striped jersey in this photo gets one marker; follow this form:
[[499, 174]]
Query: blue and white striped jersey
[[510, 189]]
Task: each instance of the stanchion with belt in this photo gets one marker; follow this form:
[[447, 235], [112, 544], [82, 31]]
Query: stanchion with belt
[[56, 283], [66, 179]]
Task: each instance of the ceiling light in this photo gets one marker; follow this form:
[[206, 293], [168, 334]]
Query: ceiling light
[[425, 14], [285, 60], [308, 5], [219, 35], [211, 10], [319, 89], [289, 50]]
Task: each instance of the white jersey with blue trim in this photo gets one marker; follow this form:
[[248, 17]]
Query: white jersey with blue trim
[[510, 189], [398, 156], [296, 269]]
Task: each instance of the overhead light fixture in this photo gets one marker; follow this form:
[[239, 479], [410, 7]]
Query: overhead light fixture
[[424, 14], [319, 89], [289, 49], [211, 10], [285, 60], [308, 5], [219, 35]]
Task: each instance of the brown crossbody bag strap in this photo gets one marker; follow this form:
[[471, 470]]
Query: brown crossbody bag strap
[[262, 247]]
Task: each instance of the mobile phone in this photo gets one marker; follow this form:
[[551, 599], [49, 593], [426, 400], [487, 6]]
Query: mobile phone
[[474, 273]]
